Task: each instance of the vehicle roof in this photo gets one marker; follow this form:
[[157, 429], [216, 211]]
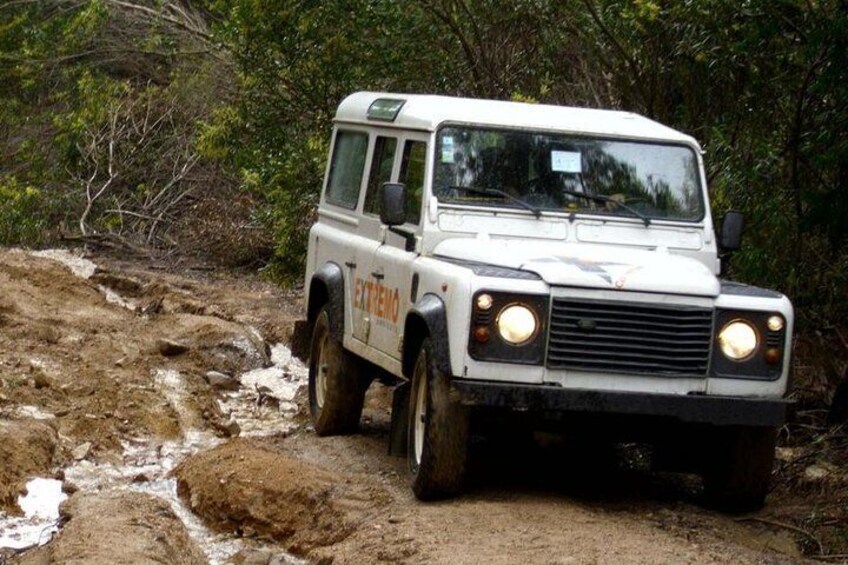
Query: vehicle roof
[[428, 112]]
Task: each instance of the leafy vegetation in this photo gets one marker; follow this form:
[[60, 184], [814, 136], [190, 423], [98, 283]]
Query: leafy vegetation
[[203, 124]]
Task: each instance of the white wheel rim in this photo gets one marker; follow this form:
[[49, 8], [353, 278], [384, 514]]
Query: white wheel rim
[[420, 418], [321, 375]]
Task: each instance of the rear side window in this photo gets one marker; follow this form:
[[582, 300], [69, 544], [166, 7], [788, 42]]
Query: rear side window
[[381, 171], [346, 169], [412, 175]]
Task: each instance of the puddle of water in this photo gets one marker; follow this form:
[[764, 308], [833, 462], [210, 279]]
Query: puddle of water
[[173, 388], [264, 405], [40, 506], [146, 467], [147, 463]]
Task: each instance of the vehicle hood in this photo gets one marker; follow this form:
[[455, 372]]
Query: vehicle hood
[[588, 265]]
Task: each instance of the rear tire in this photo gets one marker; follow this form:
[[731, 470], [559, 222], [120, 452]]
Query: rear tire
[[336, 383], [738, 469], [438, 432]]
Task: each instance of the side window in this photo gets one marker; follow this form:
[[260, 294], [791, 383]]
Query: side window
[[412, 175], [381, 171], [346, 169]]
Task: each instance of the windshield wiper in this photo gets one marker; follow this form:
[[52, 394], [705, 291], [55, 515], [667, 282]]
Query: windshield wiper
[[601, 198], [497, 192]]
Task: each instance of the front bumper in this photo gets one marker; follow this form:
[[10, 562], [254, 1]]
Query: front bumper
[[700, 409]]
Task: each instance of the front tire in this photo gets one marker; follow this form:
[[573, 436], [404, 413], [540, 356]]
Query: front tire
[[336, 384], [438, 432], [738, 470]]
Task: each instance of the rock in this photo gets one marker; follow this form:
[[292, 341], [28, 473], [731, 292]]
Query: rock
[[81, 451], [788, 454], [222, 381], [819, 472], [230, 429], [27, 449], [41, 380], [252, 557], [170, 348]]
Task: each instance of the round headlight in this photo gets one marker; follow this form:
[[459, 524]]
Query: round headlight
[[738, 340], [517, 324]]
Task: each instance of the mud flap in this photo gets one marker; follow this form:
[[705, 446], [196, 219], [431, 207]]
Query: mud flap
[[400, 420], [301, 340]]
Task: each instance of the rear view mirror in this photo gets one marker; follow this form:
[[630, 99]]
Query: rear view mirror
[[393, 200], [731, 231]]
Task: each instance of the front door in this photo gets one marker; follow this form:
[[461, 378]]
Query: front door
[[392, 266]]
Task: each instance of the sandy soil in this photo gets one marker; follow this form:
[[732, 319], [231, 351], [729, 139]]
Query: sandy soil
[[97, 372]]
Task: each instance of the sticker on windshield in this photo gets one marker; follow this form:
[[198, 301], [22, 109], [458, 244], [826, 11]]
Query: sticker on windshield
[[447, 149], [566, 162]]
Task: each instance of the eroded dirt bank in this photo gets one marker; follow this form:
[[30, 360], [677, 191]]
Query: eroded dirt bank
[[130, 382], [119, 527]]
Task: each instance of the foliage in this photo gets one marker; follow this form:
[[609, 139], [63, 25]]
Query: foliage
[[20, 213], [249, 89]]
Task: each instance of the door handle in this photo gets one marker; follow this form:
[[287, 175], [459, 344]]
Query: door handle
[[378, 276], [350, 264]]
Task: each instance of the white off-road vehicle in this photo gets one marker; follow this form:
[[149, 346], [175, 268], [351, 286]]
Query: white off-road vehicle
[[548, 260]]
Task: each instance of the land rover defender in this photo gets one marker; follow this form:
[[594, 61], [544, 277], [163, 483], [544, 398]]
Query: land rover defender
[[547, 260]]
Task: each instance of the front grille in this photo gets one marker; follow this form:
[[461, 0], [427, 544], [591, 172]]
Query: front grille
[[615, 337]]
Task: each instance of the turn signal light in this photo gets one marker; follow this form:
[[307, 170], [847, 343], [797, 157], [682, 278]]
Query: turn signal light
[[772, 355], [481, 334]]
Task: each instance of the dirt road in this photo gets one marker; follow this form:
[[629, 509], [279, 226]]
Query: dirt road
[[161, 403]]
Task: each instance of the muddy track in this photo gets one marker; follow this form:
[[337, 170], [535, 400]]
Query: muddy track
[[162, 404]]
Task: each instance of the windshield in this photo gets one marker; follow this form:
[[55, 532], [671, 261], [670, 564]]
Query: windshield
[[566, 173]]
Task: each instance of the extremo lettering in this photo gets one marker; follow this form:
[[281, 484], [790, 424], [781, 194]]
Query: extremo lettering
[[380, 301]]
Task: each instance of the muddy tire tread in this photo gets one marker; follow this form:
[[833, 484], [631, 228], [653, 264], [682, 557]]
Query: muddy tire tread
[[345, 393], [442, 471]]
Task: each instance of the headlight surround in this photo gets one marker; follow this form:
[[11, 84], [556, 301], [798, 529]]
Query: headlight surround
[[517, 324], [738, 340], [767, 361], [508, 327]]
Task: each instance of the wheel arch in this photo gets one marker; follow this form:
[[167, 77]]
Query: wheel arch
[[327, 288], [427, 318]]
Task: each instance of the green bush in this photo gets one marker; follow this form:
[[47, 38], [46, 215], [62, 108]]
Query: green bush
[[23, 213]]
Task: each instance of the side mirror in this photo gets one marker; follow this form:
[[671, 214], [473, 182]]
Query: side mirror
[[731, 231], [393, 200]]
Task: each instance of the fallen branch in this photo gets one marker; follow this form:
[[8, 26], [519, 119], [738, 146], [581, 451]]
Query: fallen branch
[[110, 241]]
